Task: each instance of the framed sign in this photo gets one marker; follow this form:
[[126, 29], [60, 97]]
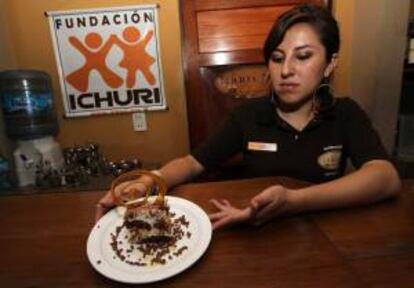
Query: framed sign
[[108, 59]]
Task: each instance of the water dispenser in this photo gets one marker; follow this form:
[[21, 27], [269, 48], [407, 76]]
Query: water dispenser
[[30, 120]]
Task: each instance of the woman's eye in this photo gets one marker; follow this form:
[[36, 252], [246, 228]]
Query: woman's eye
[[304, 56], [277, 58]]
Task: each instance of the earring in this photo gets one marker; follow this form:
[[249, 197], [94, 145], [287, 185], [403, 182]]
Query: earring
[[318, 95], [273, 98]]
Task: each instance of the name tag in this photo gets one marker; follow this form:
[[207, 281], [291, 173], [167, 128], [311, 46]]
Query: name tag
[[261, 146]]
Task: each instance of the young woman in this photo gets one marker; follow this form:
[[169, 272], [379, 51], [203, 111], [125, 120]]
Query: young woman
[[300, 131]]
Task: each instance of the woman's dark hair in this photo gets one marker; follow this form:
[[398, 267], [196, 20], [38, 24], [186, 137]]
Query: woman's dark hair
[[318, 17]]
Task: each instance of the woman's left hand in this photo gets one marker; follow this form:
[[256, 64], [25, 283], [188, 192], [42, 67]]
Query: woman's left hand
[[228, 214], [272, 202]]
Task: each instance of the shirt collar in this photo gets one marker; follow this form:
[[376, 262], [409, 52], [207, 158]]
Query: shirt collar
[[266, 114]]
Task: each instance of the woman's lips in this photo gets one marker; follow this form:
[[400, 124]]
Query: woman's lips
[[288, 86]]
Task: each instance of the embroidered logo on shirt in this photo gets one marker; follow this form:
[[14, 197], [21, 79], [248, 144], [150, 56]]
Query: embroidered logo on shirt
[[262, 146], [331, 157]]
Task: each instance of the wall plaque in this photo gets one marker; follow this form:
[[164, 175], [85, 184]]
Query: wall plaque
[[244, 81]]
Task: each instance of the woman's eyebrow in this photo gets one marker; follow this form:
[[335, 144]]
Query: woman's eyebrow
[[303, 47], [296, 48]]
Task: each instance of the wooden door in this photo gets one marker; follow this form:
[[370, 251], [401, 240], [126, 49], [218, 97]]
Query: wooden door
[[223, 37]]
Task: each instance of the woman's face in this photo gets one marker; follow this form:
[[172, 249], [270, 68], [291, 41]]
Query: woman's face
[[298, 65]]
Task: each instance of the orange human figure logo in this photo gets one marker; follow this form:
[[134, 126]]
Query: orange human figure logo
[[135, 57], [95, 55]]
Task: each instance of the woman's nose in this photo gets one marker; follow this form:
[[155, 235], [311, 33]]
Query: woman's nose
[[288, 68]]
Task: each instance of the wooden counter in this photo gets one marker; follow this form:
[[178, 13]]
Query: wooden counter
[[43, 243]]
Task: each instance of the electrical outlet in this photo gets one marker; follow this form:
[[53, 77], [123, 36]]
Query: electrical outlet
[[139, 121]]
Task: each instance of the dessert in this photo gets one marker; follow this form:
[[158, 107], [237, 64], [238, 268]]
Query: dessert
[[148, 223], [150, 233]]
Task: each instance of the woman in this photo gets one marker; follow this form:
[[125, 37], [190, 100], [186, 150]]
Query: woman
[[299, 131]]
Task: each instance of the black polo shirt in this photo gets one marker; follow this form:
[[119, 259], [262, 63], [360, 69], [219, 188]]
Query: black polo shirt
[[271, 147]]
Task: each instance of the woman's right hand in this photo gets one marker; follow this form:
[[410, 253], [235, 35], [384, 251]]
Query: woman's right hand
[[125, 191]]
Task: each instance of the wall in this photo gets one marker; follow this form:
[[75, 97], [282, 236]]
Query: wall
[[167, 136], [6, 62], [373, 48], [344, 13], [391, 31]]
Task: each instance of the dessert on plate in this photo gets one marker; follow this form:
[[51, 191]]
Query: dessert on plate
[[148, 222], [148, 225]]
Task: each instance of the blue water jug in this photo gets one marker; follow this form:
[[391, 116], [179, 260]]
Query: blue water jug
[[27, 102]]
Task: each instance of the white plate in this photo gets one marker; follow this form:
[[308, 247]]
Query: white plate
[[104, 260]]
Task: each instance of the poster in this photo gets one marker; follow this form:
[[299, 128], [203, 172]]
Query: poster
[[108, 59]]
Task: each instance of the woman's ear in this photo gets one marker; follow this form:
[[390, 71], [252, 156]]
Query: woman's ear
[[331, 66]]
